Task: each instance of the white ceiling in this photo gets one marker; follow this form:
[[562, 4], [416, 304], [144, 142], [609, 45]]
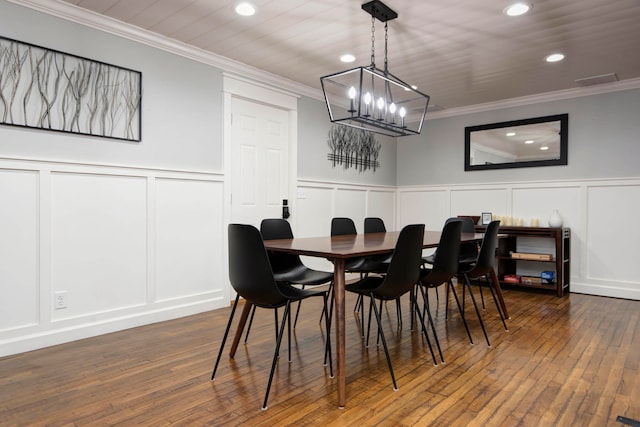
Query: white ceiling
[[461, 52]]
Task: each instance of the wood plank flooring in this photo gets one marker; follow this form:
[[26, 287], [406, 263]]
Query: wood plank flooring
[[572, 361]]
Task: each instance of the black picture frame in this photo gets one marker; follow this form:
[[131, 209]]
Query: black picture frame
[[560, 160], [51, 90]]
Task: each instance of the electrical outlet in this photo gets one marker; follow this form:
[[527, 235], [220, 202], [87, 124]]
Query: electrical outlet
[[60, 300]]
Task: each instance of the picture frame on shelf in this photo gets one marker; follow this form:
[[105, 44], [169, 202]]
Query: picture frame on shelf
[[486, 218]]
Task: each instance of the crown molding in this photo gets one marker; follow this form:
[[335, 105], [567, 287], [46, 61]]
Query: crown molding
[[538, 98], [109, 25], [103, 23]]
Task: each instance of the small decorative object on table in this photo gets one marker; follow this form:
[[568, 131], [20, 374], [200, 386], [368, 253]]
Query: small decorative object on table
[[555, 220]]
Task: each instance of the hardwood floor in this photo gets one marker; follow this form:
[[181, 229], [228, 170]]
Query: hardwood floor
[[572, 361]]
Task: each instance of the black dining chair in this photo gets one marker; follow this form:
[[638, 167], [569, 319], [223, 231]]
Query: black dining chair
[[341, 226], [403, 273], [376, 225], [288, 268], [445, 268], [483, 267], [468, 253], [251, 277], [468, 250]]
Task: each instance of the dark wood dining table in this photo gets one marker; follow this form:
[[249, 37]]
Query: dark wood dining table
[[338, 249]]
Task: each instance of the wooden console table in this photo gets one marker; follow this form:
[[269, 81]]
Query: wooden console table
[[560, 262]]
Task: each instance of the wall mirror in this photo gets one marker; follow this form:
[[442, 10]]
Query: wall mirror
[[539, 141]]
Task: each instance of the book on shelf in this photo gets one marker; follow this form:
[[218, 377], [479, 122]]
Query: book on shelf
[[531, 256]]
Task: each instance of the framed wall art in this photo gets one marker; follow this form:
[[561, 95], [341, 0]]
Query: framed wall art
[[46, 89]]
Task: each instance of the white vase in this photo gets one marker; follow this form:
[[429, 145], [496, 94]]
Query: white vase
[[555, 220]]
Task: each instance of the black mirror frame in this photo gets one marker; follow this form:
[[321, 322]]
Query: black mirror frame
[[564, 130]]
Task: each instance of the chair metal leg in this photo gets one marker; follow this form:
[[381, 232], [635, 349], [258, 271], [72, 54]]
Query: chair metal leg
[[446, 302], [356, 307], [224, 338], [327, 348], [371, 303], [425, 299], [475, 305], [384, 342], [399, 312], [289, 332], [275, 354], [324, 311], [246, 335], [495, 300], [461, 310], [416, 309]]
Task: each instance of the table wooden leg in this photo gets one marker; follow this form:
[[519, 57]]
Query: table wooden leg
[[496, 285], [339, 295], [243, 320]]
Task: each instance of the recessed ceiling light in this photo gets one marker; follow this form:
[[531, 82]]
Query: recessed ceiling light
[[517, 9], [245, 9], [511, 134], [347, 58], [529, 141], [544, 148], [554, 57]]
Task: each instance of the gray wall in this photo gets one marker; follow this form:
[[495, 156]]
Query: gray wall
[[181, 101], [604, 142], [313, 128]]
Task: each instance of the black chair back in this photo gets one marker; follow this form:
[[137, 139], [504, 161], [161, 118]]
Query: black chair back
[[374, 225], [275, 228], [342, 226], [487, 254], [404, 269], [249, 269], [445, 264], [278, 228]]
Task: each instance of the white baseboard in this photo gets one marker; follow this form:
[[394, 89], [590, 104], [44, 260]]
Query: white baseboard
[[29, 342]]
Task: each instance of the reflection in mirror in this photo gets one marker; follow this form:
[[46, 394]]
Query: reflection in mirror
[[540, 141]]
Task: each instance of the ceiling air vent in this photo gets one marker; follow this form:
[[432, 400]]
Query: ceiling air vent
[[597, 80]]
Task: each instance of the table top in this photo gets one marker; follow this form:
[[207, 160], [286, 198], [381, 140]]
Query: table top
[[353, 245]]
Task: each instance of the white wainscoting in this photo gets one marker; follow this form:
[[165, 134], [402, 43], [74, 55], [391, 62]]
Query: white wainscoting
[[319, 201], [604, 247], [605, 243], [129, 246]]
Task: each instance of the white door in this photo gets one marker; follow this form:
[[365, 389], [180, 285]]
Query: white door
[[260, 161]]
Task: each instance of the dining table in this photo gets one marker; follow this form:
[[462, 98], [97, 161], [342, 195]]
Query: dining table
[[338, 249]]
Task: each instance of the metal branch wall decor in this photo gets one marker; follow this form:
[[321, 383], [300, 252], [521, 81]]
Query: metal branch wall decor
[[46, 89], [353, 147]]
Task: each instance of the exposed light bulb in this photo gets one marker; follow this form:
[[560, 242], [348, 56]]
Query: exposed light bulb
[[367, 101], [392, 110], [352, 95], [380, 108]]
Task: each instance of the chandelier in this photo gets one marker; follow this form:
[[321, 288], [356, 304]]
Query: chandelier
[[373, 99]]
